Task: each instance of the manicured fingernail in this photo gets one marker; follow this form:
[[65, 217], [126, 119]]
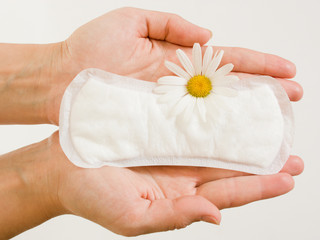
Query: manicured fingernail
[[210, 219]]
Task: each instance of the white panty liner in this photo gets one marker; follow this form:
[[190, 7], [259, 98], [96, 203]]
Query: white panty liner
[[107, 119]]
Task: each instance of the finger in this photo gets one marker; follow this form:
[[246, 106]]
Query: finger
[[293, 89], [244, 60], [294, 166], [250, 61], [172, 28], [233, 192], [167, 214]]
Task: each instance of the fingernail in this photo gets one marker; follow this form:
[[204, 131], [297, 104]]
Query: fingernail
[[210, 33], [210, 219]]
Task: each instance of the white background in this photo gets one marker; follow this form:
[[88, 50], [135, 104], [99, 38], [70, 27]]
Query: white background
[[289, 28]]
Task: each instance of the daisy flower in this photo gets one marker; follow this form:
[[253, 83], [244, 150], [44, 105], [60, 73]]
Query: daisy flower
[[195, 86]]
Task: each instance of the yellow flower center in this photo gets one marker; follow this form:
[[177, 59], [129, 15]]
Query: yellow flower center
[[199, 86]]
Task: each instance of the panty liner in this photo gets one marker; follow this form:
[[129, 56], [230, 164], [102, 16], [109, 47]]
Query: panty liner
[[107, 119]]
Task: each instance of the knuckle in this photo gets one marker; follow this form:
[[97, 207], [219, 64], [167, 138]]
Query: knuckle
[[175, 16], [229, 193]]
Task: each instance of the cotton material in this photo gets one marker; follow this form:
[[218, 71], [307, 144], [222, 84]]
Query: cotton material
[[107, 119]]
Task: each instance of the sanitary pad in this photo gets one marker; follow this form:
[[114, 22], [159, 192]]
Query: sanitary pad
[[107, 119]]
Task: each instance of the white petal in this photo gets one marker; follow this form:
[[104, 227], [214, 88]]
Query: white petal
[[167, 88], [197, 58], [181, 105], [224, 91], [223, 71], [172, 96], [216, 53], [189, 110], [225, 81], [214, 64], [185, 61], [206, 59], [201, 108], [177, 70], [172, 80]]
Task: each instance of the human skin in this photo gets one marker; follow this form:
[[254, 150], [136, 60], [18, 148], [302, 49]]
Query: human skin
[[38, 182], [130, 42]]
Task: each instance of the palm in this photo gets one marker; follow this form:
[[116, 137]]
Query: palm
[[130, 190], [115, 47], [120, 199]]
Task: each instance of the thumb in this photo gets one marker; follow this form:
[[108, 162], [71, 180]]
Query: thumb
[[171, 28], [167, 214]]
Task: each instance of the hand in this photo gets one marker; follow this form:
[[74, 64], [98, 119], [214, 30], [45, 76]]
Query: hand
[[138, 200], [129, 201], [135, 43], [38, 182], [128, 41]]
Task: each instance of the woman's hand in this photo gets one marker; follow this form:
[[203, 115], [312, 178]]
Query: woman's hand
[[139, 200], [135, 42], [38, 182], [128, 41]]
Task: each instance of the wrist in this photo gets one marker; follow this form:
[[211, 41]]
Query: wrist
[[33, 78], [28, 188], [40, 175], [57, 170], [60, 71], [28, 73]]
